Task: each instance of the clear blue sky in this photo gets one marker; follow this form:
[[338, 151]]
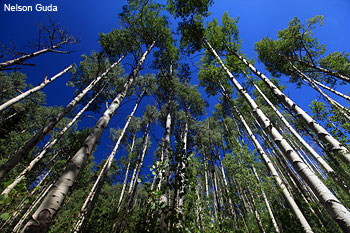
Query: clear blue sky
[[85, 19]]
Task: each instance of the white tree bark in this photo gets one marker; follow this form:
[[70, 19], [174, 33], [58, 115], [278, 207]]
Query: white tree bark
[[131, 194], [47, 147], [165, 172], [332, 90], [257, 215], [43, 216], [324, 70], [311, 82], [19, 224], [298, 214], [206, 180], [232, 209], [182, 166], [29, 145], [166, 160], [313, 153], [323, 135], [124, 183], [21, 59], [23, 95], [95, 190], [340, 214], [267, 203], [217, 206], [126, 176]]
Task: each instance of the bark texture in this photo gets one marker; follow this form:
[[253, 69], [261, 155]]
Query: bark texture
[[20, 97], [47, 148], [299, 215], [96, 188], [43, 216], [23, 58], [340, 214], [29, 145], [335, 146]]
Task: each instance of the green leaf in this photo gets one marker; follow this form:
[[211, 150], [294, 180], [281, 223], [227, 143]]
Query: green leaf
[[4, 216], [153, 207], [8, 201]]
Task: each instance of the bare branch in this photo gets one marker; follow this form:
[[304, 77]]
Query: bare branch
[[50, 39], [58, 51]]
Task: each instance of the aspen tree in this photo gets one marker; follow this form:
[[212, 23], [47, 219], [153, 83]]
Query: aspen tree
[[332, 204], [315, 155], [272, 216], [96, 188], [48, 146], [309, 81], [304, 223], [23, 95], [29, 145], [346, 97], [323, 135], [43, 216], [51, 39], [126, 175], [131, 193]]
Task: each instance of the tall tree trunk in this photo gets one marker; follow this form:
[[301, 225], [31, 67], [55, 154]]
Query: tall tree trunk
[[165, 172], [47, 147], [43, 216], [267, 203], [332, 90], [288, 171], [41, 186], [206, 180], [315, 155], [332, 204], [19, 224], [95, 190], [22, 206], [182, 166], [158, 177], [305, 192], [166, 156], [323, 135], [256, 212], [309, 81], [198, 210], [23, 58], [133, 180], [325, 71], [126, 175], [207, 194], [29, 145], [232, 209], [23, 95], [131, 195], [114, 225], [299, 215], [289, 177], [319, 159], [239, 191], [246, 208], [219, 183], [214, 191]]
